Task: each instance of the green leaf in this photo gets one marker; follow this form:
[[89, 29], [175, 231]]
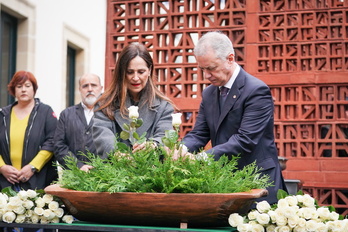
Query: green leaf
[[281, 194], [9, 191], [138, 123], [172, 135], [136, 136], [124, 135], [126, 127]]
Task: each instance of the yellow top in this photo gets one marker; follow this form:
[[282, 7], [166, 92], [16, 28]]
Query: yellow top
[[17, 133]]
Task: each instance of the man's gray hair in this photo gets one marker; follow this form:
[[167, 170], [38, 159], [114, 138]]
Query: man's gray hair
[[216, 41]]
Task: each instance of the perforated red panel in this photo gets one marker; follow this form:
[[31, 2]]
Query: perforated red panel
[[299, 48]]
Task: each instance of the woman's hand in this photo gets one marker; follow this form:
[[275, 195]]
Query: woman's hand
[[25, 173], [10, 173], [138, 147], [86, 168]]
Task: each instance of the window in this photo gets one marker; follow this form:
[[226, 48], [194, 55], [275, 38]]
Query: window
[[70, 76], [8, 50]]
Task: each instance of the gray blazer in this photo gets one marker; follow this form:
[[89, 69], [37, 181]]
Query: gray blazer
[[156, 121]]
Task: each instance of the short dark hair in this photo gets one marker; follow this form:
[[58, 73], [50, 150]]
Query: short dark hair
[[19, 78]]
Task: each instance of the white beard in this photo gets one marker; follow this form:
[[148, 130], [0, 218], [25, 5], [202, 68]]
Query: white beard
[[90, 100]]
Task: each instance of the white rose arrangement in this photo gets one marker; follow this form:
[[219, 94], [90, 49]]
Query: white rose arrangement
[[292, 213], [30, 206]]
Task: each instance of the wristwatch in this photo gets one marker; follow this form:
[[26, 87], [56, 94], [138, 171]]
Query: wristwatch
[[33, 169]]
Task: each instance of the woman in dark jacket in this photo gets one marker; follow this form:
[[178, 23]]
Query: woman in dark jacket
[[26, 137]]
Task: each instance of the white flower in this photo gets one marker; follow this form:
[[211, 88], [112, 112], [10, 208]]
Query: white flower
[[22, 194], [244, 227], [271, 228], [39, 211], [20, 218], [44, 220], [40, 203], [293, 221], [292, 200], [59, 212], [133, 112], [321, 227], [19, 210], [47, 198], [308, 201], [334, 216], [257, 228], [311, 225], [299, 229], [31, 193], [176, 120], [68, 219], [323, 213], [35, 218], [53, 205], [282, 203], [263, 206], [28, 213], [283, 229], [253, 214], [28, 204], [263, 218], [281, 220], [9, 217], [14, 201], [235, 219], [272, 215], [55, 220], [47, 213], [3, 200]]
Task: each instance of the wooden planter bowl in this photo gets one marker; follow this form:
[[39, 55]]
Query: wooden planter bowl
[[156, 209]]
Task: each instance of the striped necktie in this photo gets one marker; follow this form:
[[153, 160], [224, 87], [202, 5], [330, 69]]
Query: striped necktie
[[223, 94]]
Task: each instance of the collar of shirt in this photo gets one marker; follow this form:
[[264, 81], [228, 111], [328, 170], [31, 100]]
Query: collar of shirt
[[88, 113], [233, 78]]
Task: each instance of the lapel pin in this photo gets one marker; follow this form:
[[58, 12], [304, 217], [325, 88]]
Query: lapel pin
[[234, 96]]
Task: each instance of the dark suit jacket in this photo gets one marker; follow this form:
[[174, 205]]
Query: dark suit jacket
[[245, 127], [73, 135]]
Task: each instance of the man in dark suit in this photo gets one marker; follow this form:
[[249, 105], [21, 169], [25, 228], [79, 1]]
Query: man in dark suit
[[73, 134], [242, 123]]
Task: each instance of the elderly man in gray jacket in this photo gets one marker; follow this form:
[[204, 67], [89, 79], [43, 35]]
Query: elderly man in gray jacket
[[73, 136]]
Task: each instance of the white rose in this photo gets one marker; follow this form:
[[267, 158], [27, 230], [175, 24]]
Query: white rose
[[263, 206], [257, 228], [47, 198], [293, 221], [284, 229], [244, 227], [334, 216], [301, 222], [271, 228], [28, 204], [289, 211], [292, 200], [68, 219], [282, 203], [35, 218], [22, 194], [321, 227], [28, 213], [59, 212], [47, 213], [44, 220], [272, 215], [133, 112], [308, 201], [20, 218], [306, 213], [55, 220], [176, 120], [323, 213], [39, 211], [14, 201], [263, 218], [40, 203], [311, 225], [9, 217], [235, 219], [281, 220], [3, 201], [19, 210], [299, 198], [53, 205], [253, 214], [299, 229], [31, 193]]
